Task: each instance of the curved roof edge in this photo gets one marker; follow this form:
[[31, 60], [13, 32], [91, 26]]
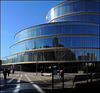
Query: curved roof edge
[[67, 1], [80, 12]]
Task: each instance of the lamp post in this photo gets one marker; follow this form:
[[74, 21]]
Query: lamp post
[[36, 62], [20, 68], [63, 78], [52, 77], [36, 67], [91, 71], [87, 71]]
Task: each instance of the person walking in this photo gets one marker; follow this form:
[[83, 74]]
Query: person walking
[[41, 72], [13, 71], [5, 75], [8, 72], [61, 74]]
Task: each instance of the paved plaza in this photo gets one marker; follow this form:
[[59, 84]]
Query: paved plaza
[[29, 82]]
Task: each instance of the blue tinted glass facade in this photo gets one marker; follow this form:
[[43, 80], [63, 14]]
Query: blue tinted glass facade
[[64, 40], [74, 7], [91, 17], [72, 31], [58, 28]]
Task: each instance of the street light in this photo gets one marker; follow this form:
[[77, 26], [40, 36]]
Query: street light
[[87, 71]]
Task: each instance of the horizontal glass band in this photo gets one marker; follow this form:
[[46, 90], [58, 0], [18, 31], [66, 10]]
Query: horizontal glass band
[[75, 13], [52, 49], [70, 7], [62, 4], [38, 62], [68, 27], [66, 55], [53, 35]]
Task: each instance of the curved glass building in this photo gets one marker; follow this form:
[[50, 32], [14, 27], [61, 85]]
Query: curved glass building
[[71, 34]]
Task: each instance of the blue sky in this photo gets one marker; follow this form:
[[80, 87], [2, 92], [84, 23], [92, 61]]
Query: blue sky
[[17, 15]]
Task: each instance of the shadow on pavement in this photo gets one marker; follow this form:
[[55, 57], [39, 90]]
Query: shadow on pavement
[[80, 88]]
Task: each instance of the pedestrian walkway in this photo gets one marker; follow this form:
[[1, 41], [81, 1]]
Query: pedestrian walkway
[[21, 88], [26, 81], [17, 84]]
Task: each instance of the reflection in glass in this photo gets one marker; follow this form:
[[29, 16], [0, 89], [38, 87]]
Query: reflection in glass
[[57, 41]]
